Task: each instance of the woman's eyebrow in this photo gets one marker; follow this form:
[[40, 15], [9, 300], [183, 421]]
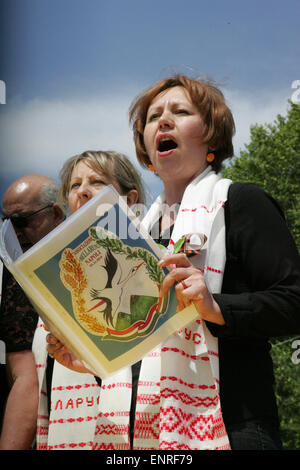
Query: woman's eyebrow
[[174, 102], [154, 107]]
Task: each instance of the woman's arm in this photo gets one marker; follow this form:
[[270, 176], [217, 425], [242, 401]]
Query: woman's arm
[[20, 418]]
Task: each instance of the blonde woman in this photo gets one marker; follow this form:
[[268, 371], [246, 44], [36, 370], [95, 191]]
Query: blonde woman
[[68, 406]]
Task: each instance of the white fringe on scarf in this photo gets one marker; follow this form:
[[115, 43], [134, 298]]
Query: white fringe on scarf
[[74, 403]]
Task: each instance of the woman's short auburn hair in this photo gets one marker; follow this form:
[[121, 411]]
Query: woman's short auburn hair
[[209, 100]]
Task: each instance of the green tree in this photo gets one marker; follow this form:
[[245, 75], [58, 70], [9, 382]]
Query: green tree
[[287, 389], [272, 161]]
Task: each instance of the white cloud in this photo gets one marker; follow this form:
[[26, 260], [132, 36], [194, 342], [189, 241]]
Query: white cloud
[[38, 136], [256, 108]]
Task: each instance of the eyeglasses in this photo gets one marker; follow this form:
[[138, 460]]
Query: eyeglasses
[[21, 221]]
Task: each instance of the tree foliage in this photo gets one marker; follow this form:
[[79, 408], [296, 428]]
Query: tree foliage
[[287, 389], [272, 161]]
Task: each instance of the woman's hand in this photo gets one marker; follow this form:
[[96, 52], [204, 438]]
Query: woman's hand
[[190, 287], [62, 355]]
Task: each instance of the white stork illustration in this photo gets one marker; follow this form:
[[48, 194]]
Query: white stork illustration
[[111, 296]]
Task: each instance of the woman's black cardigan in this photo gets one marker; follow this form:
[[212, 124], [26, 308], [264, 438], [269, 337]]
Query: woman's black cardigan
[[260, 299]]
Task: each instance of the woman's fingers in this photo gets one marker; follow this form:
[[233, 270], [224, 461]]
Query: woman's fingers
[[172, 261], [54, 348], [52, 340], [62, 355], [54, 345], [190, 275], [190, 289], [183, 300], [188, 280], [179, 259]]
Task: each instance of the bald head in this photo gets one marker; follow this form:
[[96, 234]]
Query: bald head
[[25, 192], [27, 195]]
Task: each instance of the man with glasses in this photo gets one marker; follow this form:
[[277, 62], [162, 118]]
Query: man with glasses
[[31, 205]]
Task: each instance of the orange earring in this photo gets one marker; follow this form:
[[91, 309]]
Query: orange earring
[[151, 168], [210, 157]]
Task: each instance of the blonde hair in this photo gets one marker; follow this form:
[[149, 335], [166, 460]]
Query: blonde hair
[[209, 100], [116, 166]]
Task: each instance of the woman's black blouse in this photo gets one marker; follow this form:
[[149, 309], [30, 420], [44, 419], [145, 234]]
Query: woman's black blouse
[[260, 299]]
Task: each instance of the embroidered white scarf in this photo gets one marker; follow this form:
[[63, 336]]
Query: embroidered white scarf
[[74, 403], [178, 403]]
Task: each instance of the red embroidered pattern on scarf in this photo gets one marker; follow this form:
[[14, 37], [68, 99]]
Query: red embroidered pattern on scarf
[[42, 430], [72, 387], [110, 446], [183, 353], [153, 354], [71, 445], [80, 419], [199, 427], [115, 413], [117, 384], [175, 445], [146, 425], [190, 385], [214, 270], [114, 429], [209, 211], [213, 353], [148, 398], [145, 383], [41, 446], [188, 399]]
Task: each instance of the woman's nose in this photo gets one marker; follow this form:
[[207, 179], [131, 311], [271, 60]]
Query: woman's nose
[[165, 120], [84, 192]]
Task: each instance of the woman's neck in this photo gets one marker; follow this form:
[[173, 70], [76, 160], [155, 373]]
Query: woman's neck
[[173, 197], [174, 189]]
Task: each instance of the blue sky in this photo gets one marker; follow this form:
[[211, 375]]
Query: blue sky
[[72, 68]]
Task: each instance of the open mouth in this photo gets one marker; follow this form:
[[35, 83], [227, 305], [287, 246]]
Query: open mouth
[[166, 144]]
